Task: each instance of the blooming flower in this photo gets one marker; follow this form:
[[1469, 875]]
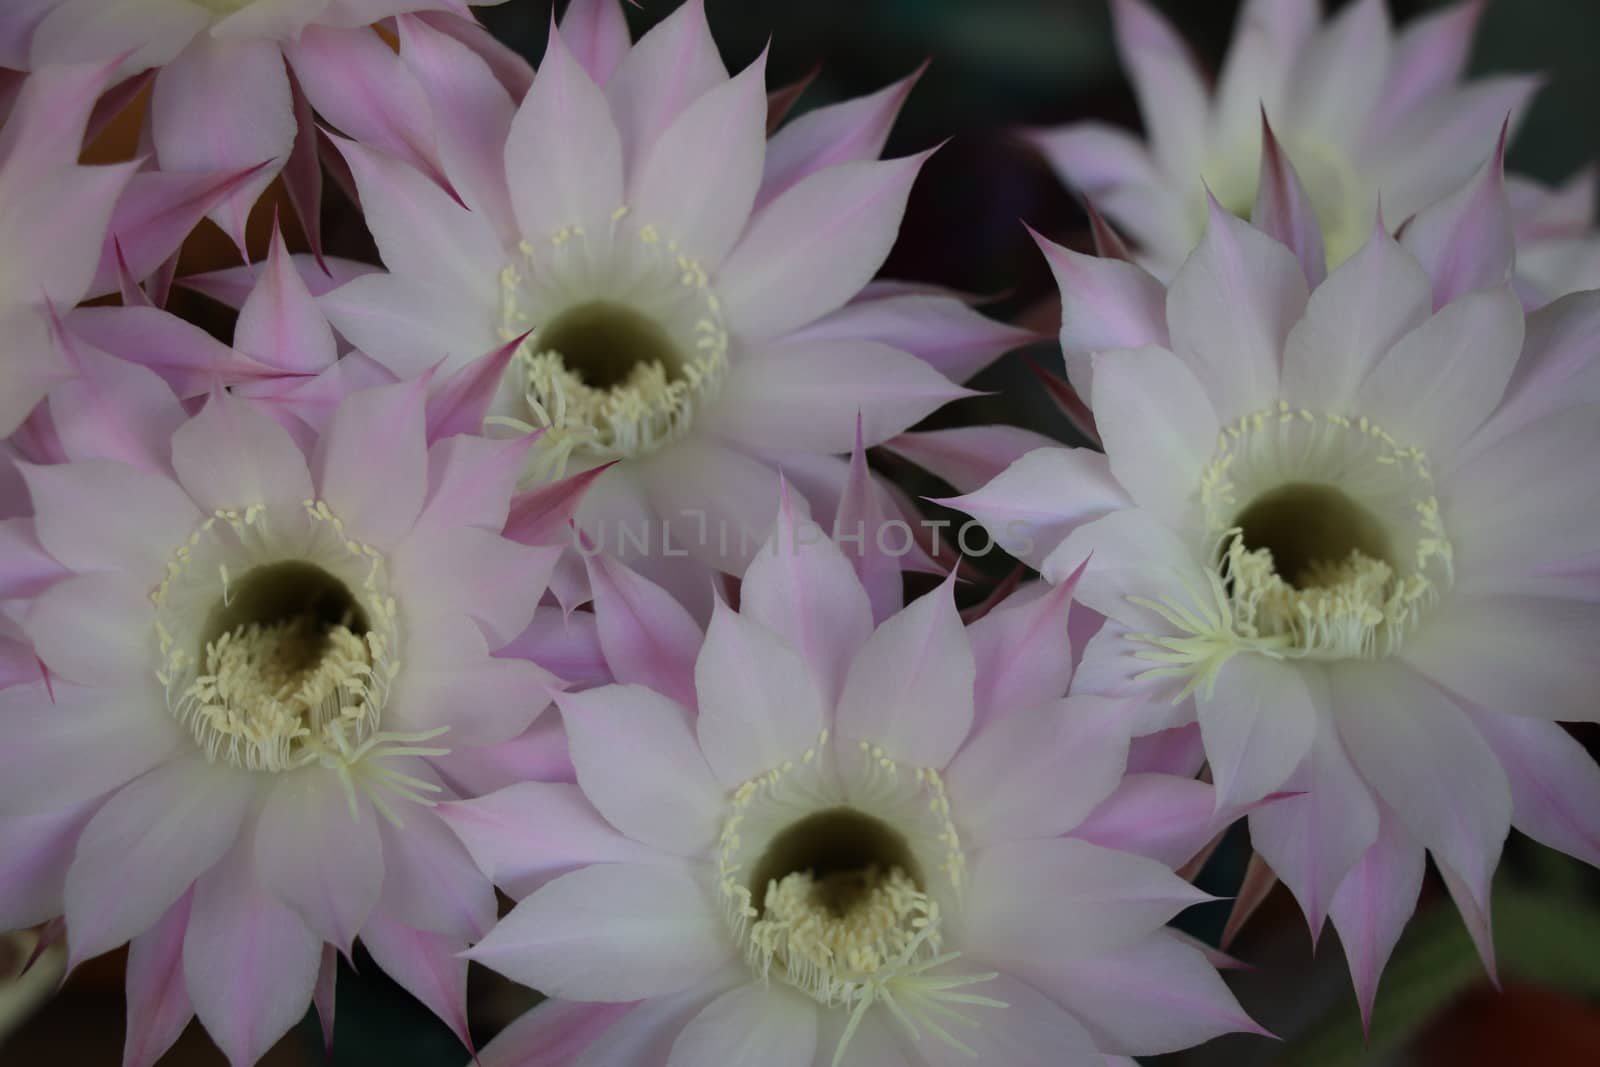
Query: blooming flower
[[258, 666], [1356, 524], [800, 839], [684, 287], [222, 96], [1362, 111]]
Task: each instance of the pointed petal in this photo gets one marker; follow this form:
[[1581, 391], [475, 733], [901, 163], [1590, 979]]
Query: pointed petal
[[1156, 996], [372, 463], [1284, 211], [1162, 816], [158, 1003], [249, 963], [1352, 320], [1258, 724], [1023, 654], [225, 105], [1341, 73], [1555, 783], [38, 848], [426, 965], [564, 155], [530, 833], [759, 701], [836, 133], [806, 396], [909, 690], [1105, 304], [430, 881], [967, 457], [668, 68], [639, 763], [647, 636], [320, 854], [1038, 773], [1373, 903], [556, 1031], [1440, 382], [153, 516], [1424, 757], [1158, 429], [942, 331], [1172, 97], [699, 180], [814, 247], [144, 848], [1314, 838], [613, 932], [1466, 240], [1031, 507], [597, 33], [801, 587], [280, 323]]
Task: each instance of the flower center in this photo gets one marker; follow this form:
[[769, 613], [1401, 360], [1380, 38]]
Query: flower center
[[288, 662], [1336, 554], [625, 343], [836, 874]]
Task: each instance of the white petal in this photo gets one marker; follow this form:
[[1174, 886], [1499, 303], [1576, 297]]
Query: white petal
[[1158, 429], [1258, 724], [751, 1025]]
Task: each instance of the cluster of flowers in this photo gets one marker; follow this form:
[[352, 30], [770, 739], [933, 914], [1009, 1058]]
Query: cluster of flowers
[[321, 635]]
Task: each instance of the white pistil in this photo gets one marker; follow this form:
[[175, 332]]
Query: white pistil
[[1354, 606]]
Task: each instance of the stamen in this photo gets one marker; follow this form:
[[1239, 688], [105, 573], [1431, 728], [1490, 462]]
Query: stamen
[[1339, 552], [626, 343]]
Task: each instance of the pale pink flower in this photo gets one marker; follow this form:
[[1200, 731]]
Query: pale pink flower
[[1356, 524], [223, 98], [798, 839], [262, 667], [695, 298], [1362, 110], [1558, 241], [54, 216]]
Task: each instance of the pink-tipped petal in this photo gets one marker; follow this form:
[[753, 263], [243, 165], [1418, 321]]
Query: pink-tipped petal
[[614, 932], [1162, 816], [1284, 211], [158, 1002], [670, 67], [113, 410], [249, 963], [806, 396], [1040, 772], [815, 246], [470, 482], [471, 114], [225, 105], [648, 637], [372, 462], [427, 965], [837, 133], [1430, 54], [554, 1033], [968, 457], [1172, 96], [280, 323], [320, 854], [1340, 75], [143, 849], [942, 331], [1423, 756], [1155, 996], [759, 700], [1031, 506], [1230, 308], [640, 764], [801, 587], [1313, 838], [430, 881], [1374, 902], [597, 33], [38, 850], [1352, 319], [231, 456], [1555, 783], [564, 155], [910, 687], [1466, 241], [1105, 304], [1023, 654], [1440, 381], [699, 180]]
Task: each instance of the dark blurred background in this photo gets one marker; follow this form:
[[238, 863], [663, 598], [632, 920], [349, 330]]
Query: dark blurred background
[[998, 65]]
